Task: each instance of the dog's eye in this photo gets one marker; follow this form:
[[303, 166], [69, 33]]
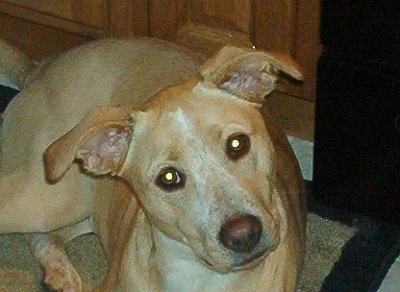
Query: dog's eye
[[170, 179], [237, 145]]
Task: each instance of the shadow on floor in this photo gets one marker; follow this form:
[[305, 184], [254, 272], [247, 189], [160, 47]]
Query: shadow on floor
[[6, 94]]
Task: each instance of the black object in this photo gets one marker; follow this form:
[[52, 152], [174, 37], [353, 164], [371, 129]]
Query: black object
[[357, 134], [6, 94], [365, 258]]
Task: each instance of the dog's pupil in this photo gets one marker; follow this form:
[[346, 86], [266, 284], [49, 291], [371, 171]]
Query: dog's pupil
[[170, 179], [237, 146], [235, 143], [169, 176]]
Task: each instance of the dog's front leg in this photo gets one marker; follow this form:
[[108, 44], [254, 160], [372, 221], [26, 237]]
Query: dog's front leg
[[59, 273]]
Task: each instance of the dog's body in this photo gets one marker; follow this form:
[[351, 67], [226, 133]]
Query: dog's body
[[209, 196]]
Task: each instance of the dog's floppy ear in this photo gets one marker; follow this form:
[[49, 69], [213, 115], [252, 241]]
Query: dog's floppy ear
[[247, 73], [101, 141]]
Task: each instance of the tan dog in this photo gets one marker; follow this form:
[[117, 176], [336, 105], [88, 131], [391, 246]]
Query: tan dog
[[208, 194]]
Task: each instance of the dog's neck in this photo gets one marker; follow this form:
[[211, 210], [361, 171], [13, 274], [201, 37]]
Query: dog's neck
[[179, 270]]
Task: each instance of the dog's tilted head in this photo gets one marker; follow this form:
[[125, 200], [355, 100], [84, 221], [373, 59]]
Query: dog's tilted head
[[199, 157]]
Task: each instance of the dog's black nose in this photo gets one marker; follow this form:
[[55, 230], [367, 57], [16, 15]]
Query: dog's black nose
[[241, 233]]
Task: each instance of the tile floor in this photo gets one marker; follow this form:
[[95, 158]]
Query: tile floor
[[391, 283]]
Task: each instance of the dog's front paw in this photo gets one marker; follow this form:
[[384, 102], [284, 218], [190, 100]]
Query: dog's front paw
[[59, 274]]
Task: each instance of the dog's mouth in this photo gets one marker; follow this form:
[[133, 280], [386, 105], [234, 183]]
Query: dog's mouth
[[242, 262], [250, 260], [206, 262]]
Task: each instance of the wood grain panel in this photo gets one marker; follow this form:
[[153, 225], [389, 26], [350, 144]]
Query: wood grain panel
[[207, 40], [89, 12], [290, 26], [166, 16], [128, 18], [61, 24], [204, 26], [308, 48], [140, 17], [232, 15], [295, 116], [274, 29], [274, 23], [37, 41]]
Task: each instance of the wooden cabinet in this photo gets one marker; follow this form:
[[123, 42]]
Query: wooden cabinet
[[92, 13], [280, 25], [43, 27]]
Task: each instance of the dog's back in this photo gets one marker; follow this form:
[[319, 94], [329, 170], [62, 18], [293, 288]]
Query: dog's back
[[59, 92], [14, 64]]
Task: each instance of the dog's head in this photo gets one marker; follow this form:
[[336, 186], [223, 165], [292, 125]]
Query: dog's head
[[198, 155]]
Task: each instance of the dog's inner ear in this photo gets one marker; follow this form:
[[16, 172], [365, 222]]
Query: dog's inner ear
[[249, 83], [105, 150], [100, 141], [246, 73]]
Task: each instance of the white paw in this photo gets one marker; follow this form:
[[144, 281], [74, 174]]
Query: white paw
[[59, 274]]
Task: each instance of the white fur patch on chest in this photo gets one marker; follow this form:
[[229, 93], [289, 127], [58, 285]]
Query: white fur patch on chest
[[181, 272]]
